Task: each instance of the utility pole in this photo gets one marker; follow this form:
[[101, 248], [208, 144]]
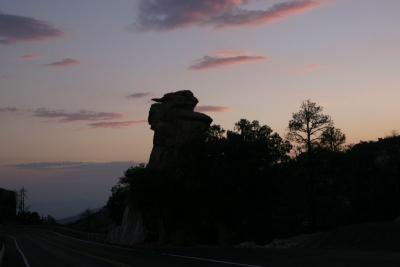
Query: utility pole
[[22, 197]]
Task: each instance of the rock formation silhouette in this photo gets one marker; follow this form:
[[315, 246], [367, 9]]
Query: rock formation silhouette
[[177, 130], [176, 125]]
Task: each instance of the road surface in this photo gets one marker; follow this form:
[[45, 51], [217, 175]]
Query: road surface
[[30, 247]]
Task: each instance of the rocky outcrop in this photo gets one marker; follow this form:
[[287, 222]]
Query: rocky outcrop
[[177, 129], [176, 126], [131, 231]]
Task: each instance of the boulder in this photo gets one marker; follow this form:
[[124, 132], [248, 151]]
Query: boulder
[[131, 231]]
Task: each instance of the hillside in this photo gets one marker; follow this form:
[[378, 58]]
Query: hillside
[[8, 205]]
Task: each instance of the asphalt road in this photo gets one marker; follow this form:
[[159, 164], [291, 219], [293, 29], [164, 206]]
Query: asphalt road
[[27, 247]]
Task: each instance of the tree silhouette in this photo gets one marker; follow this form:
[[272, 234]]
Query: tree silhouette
[[307, 124], [214, 133], [257, 143], [49, 220], [247, 188], [332, 139]]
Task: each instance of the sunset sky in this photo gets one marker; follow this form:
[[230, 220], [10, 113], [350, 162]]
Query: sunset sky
[[77, 76]]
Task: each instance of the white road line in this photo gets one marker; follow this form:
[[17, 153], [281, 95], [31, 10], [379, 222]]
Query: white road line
[[165, 254], [210, 260], [82, 253], [20, 252], [2, 252]]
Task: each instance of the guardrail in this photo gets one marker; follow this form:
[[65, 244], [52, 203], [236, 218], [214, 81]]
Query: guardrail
[[2, 253]]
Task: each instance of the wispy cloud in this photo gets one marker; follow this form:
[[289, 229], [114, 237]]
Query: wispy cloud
[[8, 109], [139, 95], [72, 165], [309, 68], [224, 58], [116, 124], [207, 108], [67, 62], [30, 57], [164, 15], [48, 165], [83, 115], [14, 29], [98, 119]]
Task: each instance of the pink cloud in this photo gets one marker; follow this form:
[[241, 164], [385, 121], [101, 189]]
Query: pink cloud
[[116, 124], [163, 15], [276, 12], [207, 108], [224, 58], [67, 62], [30, 57]]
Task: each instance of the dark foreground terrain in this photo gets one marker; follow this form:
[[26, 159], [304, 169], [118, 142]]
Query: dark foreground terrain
[[41, 248]]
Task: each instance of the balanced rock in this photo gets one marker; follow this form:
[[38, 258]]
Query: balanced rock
[[177, 130], [175, 125]]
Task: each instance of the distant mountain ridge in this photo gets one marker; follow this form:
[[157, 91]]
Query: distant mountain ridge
[[77, 217]]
